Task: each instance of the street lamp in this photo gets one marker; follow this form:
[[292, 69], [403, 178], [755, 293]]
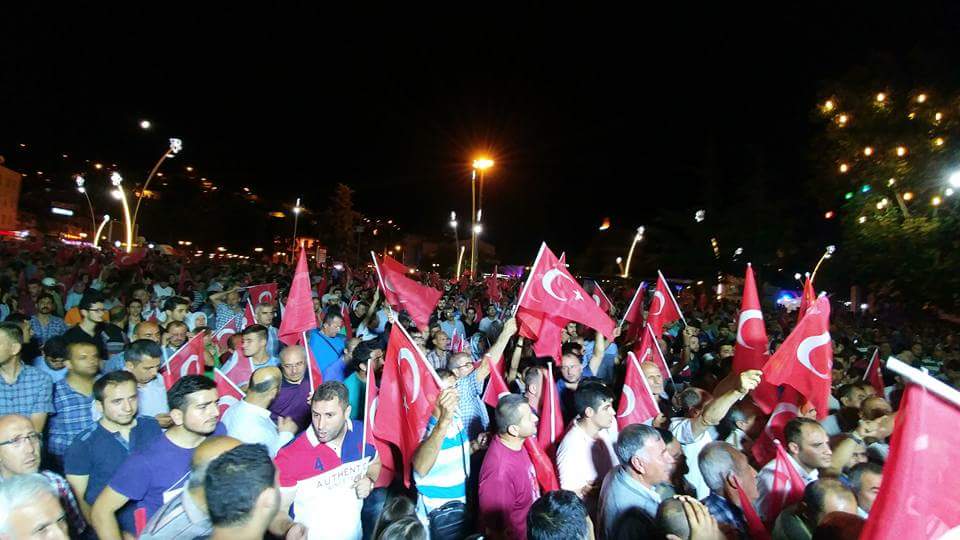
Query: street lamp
[[96, 237], [480, 164], [81, 187], [637, 238], [117, 182], [296, 218], [175, 146]]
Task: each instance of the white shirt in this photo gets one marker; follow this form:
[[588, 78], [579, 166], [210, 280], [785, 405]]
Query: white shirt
[[251, 424], [765, 482], [682, 430], [583, 460]]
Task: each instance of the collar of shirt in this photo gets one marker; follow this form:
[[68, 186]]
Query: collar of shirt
[[314, 441], [808, 477], [255, 409], [631, 483], [194, 513]]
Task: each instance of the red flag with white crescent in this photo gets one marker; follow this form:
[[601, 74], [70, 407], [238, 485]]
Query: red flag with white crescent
[[248, 317], [805, 359], [188, 360], [388, 467], [222, 337], [405, 293], [238, 368], [637, 404], [873, 375], [457, 342], [603, 302], [751, 349], [787, 409], [262, 294], [550, 429], [664, 309], [920, 494], [634, 315], [787, 487], [648, 350], [550, 289], [496, 387], [124, 259], [298, 315], [314, 377], [228, 392], [807, 299], [409, 388], [345, 315], [756, 528]]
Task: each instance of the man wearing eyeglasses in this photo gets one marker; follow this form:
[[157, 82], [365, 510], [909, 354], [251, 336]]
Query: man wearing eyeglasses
[[92, 329], [20, 454]]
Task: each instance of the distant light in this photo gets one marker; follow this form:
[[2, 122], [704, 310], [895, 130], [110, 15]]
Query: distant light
[[848, 195], [221, 249], [948, 192], [908, 196], [891, 181], [80, 181], [145, 124], [699, 216], [938, 116], [151, 246], [829, 214], [868, 151], [879, 206], [175, 146], [797, 276], [881, 97], [606, 224], [828, 105], [116, 194], [844, 167], [921, 98], [478, 228], [453, 224], [619, 260], [258, 250], [936, 200], [863, 307], [453, 216], [98, 166], [189, 168], [482, 163], [396, 247], [842, 119], [865, 188], [116, 243], [862, 220], [61, 211], [115, 178], [901, 151], [954, 180], [938, 141]]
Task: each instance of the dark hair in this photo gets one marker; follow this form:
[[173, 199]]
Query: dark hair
[[793, 431], [396, 508], [592, 394], [331, 314], [361, 353], [89, 298], [815, 494], [112, 378], [13, 330], [171, 303], [140, 349], [557, 515], [508, 411], [846, 390], [178, 394], [632, 439], [45, 296], [55, 347], [405, 528], [74, 344], [255, 329], [332, 390], [235, 480], [855, 476], [571, 348]]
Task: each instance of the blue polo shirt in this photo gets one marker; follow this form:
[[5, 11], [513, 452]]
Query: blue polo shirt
[[326, 351], [98, 453]]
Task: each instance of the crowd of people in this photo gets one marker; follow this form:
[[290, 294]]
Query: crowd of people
[[94, 444]]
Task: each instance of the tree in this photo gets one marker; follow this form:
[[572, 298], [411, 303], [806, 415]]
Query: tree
[[885, 162], [339, 234]]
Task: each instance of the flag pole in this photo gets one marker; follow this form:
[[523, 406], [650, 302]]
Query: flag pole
[[923, 379], [874, 358], [363, 443], [377, 268], [675, 304], [656, 343], [306, 350], [423, 357], [526, 285]]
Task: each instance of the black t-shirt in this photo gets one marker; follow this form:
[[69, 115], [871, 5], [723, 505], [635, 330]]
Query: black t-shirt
[[109, 339]]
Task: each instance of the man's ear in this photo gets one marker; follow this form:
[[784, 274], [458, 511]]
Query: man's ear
[[177, 416], [637, 464], [347, 411], [793, 448]]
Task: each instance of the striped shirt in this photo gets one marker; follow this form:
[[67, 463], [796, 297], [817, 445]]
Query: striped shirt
[[31, 393], [446, 480], [179, 519], [74, 415]]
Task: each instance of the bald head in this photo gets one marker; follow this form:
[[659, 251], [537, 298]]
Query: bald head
[[293, 363], [209, 450], [654, 377], [22, 457], [265, 380], [147, 330]]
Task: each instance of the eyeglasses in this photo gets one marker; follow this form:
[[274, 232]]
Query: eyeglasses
[[97, 309], [18, 442]]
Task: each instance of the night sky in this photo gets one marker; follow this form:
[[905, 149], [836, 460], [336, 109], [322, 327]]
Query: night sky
[[587, 114]]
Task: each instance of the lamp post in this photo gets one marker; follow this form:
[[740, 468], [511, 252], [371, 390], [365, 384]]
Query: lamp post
[[117, 182], [456, 240], [96, 236], [296, 218], [476, 208], [637, 238], [175, 146], [81, 187]]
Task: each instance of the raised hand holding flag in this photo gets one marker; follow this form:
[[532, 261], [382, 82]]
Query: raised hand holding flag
[[262, 294]]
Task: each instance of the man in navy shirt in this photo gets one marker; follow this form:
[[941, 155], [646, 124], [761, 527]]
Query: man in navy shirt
[[158, 472], [98, 452]]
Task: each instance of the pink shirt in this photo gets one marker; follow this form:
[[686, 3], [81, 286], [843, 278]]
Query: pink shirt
[[508, 488]]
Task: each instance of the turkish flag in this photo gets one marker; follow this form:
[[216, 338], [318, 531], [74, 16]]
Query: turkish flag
[[496, 387], [764, 448], [228, 392], [313, 374], [634, 315], [663, 310], [755, 527], [920, 494], [123, 259], [222, 337], [298, 315], [262, 294], [805, 359], [873, 373], [409, 388], [371, 400], [457, 343], [248, 317], [493, 288], [188, 360], [600, 298], [543, 330], [241, 367], [550, 289], [787, 487], [550, 429], [751, 350], [403, 292], [648, 350], [345, 315], [807, 298], [636, 404]]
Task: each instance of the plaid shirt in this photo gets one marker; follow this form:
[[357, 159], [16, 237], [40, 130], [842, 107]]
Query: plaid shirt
[[726, 513], [472, 410], [31, 393], [55, 327], [73, 416], [70, 506], [225, 315]]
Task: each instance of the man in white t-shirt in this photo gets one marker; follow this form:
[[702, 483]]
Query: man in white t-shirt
[[586, 453], [696, 428]]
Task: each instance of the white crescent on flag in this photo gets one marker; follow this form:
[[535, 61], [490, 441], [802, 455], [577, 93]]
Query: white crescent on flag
[[372, 416], [745, 316], [547, 282], [780, 409], [631, 402], [657, 295], [596, 299], [807, 346], [269, 298], [407, 355], [185, 368]]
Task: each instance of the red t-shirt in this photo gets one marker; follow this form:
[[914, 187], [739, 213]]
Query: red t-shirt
[[508, 488]]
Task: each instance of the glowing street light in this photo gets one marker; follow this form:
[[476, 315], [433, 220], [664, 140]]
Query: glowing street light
[[481, 164], [174, 148], [81, 187], [296, 217], [145, 124], [637, 238], [117, 182], [954, 180], [96, 236]]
